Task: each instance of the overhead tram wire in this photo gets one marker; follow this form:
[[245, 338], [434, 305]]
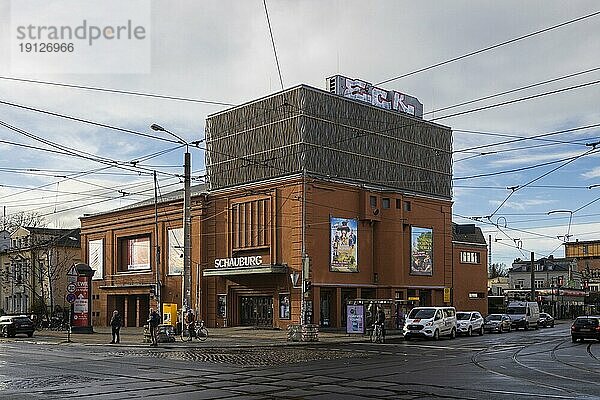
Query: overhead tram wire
[[495, 46], [273, 43], [529, 86]]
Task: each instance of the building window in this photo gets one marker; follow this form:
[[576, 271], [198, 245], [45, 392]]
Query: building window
[[539, 283], [96, 258], [469, 257], [134, 253], [407, 206], [477, 295], [585, 249], [385, 203], [398, 204], [519, 284], [250, 224], [284, 306], [373, 201], [176, 251]]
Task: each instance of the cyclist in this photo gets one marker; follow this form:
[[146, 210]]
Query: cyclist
[[189, 323]]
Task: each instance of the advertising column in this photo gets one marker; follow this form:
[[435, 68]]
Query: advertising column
[[81, 311]]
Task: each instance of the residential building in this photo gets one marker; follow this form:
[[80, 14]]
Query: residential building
[[557, 282], [34, 266]]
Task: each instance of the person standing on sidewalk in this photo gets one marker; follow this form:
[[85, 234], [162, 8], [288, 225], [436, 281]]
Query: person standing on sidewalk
[[115, 324], [189, 322], [153, 322]]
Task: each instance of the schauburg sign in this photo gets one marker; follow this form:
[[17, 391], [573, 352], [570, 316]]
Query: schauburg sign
[[251, 261]]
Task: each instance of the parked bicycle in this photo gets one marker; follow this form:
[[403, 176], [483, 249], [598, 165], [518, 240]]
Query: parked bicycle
[[377, 333], [199, 331]]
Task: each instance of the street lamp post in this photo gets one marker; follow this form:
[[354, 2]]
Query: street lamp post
[[187, 275]]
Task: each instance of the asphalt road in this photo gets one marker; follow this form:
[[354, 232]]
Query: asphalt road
[[540, 364]]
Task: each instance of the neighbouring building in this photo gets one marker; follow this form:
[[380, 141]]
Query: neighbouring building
[[557, 282], [587, 254], [497, 286], [469, 281], [312, 201], [34, 267]]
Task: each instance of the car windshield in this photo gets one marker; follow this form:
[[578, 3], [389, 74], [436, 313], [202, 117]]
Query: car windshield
[[516, 310], [586, 322], [463, 316], [493, 317], [424, 313]]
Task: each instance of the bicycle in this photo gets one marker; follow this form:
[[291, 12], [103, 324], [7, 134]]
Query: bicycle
[[200, 331], [377, 334]]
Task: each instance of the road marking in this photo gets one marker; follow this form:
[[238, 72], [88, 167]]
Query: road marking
[[553, 396]]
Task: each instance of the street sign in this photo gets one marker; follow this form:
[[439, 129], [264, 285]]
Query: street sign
[[71, 287], [72, 271], [70, 298]]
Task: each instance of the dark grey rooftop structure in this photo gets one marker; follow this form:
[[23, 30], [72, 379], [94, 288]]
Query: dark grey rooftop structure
[[467, 233], [311, 131]]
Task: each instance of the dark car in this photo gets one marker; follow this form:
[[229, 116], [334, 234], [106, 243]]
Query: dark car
[[11, 325], [546, 320], [497, 323], [587, 327]]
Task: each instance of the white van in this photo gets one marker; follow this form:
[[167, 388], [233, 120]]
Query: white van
[[430, 323], [524, 314]]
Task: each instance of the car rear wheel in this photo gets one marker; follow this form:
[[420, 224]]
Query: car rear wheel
[[453, 333], [470, 332], [481, 331]]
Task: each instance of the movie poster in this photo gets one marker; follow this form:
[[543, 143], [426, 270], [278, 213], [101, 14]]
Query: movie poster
[[344, 244], [421, 251]]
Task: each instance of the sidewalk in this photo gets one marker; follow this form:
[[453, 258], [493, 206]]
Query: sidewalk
[[218, 337]]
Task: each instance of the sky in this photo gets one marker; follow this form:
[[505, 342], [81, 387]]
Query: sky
[[527, 192]]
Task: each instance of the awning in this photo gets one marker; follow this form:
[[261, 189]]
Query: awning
[[260, 269]]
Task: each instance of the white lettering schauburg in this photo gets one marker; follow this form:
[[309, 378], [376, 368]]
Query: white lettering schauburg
[[82, 32], [251, 261]]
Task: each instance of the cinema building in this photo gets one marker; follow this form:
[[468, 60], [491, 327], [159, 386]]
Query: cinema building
[[313, 199]]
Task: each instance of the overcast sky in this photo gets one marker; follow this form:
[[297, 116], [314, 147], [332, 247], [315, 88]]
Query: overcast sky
[[221, 51]]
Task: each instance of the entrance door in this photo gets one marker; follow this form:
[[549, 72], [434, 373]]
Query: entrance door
[[256, 311]]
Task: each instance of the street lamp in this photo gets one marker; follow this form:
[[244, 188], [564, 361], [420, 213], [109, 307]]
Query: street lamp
[[187, 276], [568, 235]]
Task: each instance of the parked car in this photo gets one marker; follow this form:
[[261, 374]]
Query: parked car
[[430, 323], [11, 325], [468, 322], [585, 327], [546, 320], [497, 323]]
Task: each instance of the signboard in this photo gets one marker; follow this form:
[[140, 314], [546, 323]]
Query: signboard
[[446, 295], [81, 303], [421, 251], [250, 261], [355, 318], [70, 298], [366, 92], [343, 245], [71, 287]]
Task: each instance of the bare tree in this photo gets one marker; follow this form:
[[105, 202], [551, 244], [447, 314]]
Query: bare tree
[[497, 270], [23, 218]]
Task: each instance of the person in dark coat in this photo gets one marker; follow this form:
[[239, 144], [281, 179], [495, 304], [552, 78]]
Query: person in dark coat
[[153, 322], [115, 324]]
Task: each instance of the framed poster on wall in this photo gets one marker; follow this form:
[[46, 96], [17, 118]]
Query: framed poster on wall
[[343, 245], [421, 251]]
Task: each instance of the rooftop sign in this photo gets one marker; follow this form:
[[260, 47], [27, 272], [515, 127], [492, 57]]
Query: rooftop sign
[[366, 92]]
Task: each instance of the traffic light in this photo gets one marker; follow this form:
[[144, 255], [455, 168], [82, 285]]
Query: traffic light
[[307, 286]]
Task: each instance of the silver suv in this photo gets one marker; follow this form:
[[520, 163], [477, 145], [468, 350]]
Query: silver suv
[[468, 322]]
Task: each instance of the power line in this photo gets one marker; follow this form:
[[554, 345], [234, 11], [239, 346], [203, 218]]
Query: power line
[[273, 43], [495, 46]]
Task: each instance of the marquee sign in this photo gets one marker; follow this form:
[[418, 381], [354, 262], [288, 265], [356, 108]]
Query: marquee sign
[[366, 92], [250, 261]]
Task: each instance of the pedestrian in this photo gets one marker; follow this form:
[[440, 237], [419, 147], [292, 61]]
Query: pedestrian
[[153, 321], [115, 324], [380, 320]]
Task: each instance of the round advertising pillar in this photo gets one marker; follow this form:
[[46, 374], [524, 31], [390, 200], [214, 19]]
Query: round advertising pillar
[[81, 313]]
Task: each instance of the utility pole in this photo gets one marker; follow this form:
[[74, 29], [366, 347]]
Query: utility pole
[[532, 276], [158, 287], [187, 221]]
